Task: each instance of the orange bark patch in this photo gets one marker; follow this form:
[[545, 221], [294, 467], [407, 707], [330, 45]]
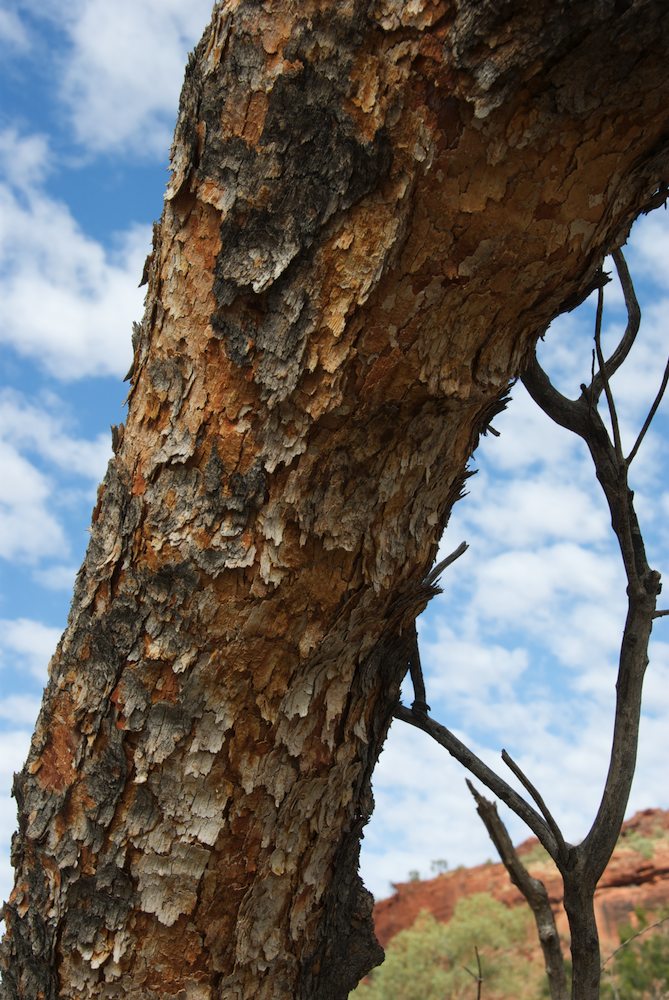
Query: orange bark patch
[[57, 771]]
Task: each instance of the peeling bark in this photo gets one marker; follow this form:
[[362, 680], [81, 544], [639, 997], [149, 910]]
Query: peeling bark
[[375, 208]]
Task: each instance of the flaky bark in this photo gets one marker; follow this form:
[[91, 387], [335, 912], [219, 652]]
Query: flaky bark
[[374, 210]]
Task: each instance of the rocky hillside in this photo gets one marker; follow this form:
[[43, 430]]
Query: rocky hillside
[[637, 876]]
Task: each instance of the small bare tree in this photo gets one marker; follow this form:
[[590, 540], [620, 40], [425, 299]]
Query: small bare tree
[[580, 865]]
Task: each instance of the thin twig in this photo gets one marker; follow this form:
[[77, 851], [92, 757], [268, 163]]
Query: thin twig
[[437, 570], [651, 414], [497, 785], [545, 811], [534, 891], [478, 978], [605, 378], [661, 614], [633, 937]]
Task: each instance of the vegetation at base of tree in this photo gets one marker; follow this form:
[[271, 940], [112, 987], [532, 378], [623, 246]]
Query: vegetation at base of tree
[[640, 969], [431, 960], [435, 961]]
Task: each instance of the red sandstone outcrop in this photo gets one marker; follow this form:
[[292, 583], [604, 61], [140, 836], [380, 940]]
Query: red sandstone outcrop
[[637, 876]]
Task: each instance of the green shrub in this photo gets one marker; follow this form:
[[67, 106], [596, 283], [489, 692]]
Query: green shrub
[[429, 960]]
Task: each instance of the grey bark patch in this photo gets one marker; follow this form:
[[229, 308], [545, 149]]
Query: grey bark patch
[[97, 902], [324, 168]]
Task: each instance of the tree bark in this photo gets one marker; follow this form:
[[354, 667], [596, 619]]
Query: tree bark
[[374, 210]]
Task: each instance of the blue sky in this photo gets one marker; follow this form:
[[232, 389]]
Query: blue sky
[[519, 651]]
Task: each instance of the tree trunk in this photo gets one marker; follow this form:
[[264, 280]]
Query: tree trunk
[[375, 208], [579, 895]]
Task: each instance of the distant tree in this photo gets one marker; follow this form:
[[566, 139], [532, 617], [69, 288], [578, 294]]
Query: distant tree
[[580, 865]]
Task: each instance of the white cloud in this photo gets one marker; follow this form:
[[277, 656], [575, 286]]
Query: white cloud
[[43, 432], [28, 530], [649, 248], [121, 78], [56, 577], [66, 302], [21, 709], [522, 587], [27, 645], [14, 744], [24, 160], [527, 438], [532, 511], [12, 31]]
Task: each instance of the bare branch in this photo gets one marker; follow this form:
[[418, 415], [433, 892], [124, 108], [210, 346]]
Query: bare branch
[[631, 330], [532, 889], [445, 738], [661, 614], [419, 703], [437, 570], [478, 978], [565, 412], [617, 444], [527, 784], [651, 414]]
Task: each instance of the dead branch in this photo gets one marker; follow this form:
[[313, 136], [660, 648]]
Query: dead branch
[[532, 889]]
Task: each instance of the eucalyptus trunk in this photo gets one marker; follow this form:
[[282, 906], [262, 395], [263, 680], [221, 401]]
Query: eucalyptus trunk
[[375, 208]]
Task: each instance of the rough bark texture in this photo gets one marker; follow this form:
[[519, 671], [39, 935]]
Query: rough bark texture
[[375, 208]]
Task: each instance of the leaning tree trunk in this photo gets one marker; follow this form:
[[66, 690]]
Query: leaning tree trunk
[[375, 208]]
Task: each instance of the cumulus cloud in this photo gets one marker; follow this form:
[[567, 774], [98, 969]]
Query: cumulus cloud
[[649, 248], [121, 76], [66, 302], [28, 529], [26, 646], [39, 452], [56, 577], [44, 431], [12, 31], [20, 709]]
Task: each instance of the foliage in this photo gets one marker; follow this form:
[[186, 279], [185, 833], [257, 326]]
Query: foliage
[[429, 961], [536, 855], [642, 843], [640, 969]]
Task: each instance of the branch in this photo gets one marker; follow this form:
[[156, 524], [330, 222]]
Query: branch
[[532, 889], [605, 378], [478, 978], [419, 703], [661, 614], [445, 738], [527, 784], [651, 414], [566, 412], [437, 570], [631, 330]]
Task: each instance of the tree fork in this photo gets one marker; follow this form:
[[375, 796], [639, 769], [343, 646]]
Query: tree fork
[[374, 210]]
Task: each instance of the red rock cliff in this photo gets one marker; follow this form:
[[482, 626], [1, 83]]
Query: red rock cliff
[[637, 876]]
